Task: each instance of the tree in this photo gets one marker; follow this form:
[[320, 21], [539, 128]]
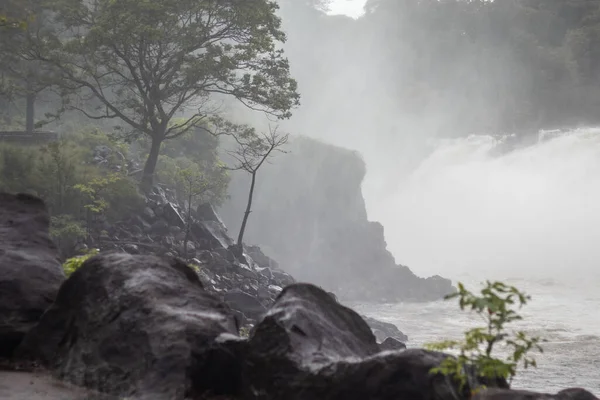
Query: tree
[[495, 307], [148, 62], [22, 77], [251, 153], [195, 184]]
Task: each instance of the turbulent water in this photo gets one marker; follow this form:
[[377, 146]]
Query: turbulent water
[[475, 209]]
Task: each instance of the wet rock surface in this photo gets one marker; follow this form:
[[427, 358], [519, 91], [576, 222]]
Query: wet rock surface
[[319, 228], [308, 346], [156, 327], [125, 325], [568, 394], [30, 270]]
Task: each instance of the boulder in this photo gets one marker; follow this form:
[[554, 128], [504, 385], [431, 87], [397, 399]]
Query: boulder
[[30, 269], [260, 258], [173, 216], [308, 346], [392, 344], [131, 325], [206, 212], [504, 394], [383, 330], [212, 233], [247, 304]]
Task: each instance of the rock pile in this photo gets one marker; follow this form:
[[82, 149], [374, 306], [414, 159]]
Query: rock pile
[[146, 327], [248, 283], [30, 270]]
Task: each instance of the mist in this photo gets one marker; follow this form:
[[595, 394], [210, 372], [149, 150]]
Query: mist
[[449, 206]]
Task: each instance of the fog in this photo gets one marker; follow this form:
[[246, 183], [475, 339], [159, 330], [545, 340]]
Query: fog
[[449, 207]]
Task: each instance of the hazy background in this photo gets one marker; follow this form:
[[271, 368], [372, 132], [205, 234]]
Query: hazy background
[[450, 199]]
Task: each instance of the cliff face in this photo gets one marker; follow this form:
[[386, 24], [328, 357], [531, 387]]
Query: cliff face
[[309, 214]]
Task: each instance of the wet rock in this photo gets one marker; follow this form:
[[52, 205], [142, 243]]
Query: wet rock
[[136, 325], [30, 270], [148, 214], [283, 279], [308, 346], [131, 248], [173, 216], [213, 233], [383, 330], [392, 344], [206, 212], [243, 270], [260, 258], [504, 394], [247, 304], [160, 227]]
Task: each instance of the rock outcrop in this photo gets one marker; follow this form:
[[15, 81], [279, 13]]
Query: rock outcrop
[[308, 347], [503, 394], [30, 270], [309, 213], [135, 325]]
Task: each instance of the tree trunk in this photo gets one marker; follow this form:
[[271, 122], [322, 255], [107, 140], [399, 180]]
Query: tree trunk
[[30, 109], [150, 166], [246, 213], [188, 226]]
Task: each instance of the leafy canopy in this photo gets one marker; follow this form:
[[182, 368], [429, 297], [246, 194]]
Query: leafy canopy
[[149, 61]]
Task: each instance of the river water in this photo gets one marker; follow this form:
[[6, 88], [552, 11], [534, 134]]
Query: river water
[[529, 216]]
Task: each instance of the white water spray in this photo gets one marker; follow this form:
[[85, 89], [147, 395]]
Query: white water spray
[[533, 212]]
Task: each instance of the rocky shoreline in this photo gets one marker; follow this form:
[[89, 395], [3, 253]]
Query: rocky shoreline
[[145, 326]]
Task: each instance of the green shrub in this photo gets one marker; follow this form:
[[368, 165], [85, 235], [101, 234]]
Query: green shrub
[[476, 350], [74, 263], [66, 232]]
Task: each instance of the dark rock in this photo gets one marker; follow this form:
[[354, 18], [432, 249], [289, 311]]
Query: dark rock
[[282, 278], [260, 258], [102, 151], [160, 227], [136, 325], [206, 212], [225, 253], [243, 270], [30, 270], [392, 344], [131, 248], [576, 394], [308, 346], [148, 214], [383, 330], [213, 233], [172, 215], [158, 196], [328, 242], [504, 394], [266, 272], [247, 304]]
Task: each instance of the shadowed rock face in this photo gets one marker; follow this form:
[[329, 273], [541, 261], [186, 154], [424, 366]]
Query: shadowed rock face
[[309, 214], [128, 324], [502, 394], [30, 270]]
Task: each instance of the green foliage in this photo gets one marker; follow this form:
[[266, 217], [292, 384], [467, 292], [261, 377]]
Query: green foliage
[[495, 306], [245, 332], [74, 263], [62, 173], [66, 231], [95, 192], [194, 153], [198, 49]]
